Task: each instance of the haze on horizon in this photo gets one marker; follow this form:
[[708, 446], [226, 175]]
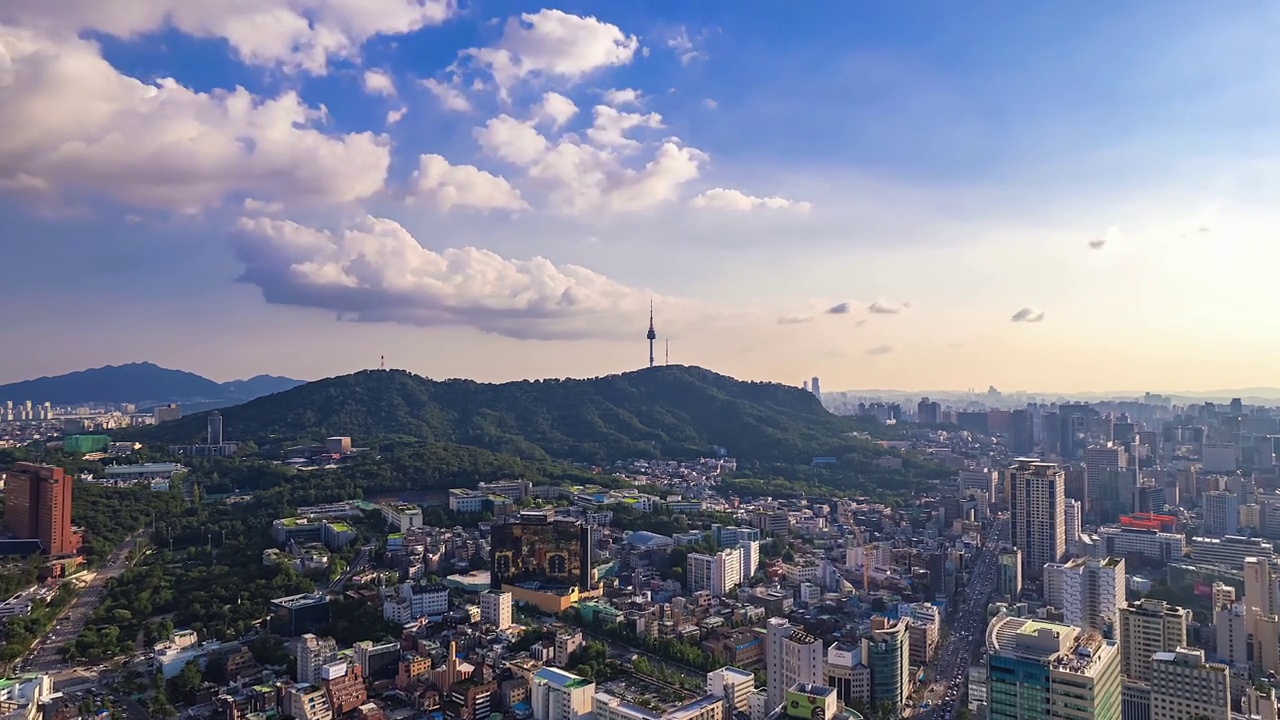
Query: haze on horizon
[[1056, 197]]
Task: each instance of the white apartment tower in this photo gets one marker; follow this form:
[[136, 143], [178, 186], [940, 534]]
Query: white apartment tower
[[791, 656], [1147, 627], [1037, 494], [735, 686], [312, 654], [1071, 521], [495, 608], [718, 574], [559, 695], [1221, 513], [1089, 591]]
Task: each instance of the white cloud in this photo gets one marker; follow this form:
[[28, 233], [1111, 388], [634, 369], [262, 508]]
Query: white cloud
[[556, 44], [449, 95], [70, 121], [555, 109], [292, 34], [1111, 235], [880, 307], [684, 47], [625, 96], [725, 199], [611, 126], [376, 271], [879, 350], [794, 319], [581, 177], [395, 116], [710, 103], [1028, 315], [377, 82], [255, 206], [463, 186]]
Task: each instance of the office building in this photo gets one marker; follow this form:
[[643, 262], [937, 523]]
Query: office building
[[1184, 686], [980, 480], [409, 601], [312, 654], [559, 695], [378, 661], [1038, 670], [887, 649], [610, 707], [1218, 457], [718, 574], [928, 412], [297, 614], [1098, 461], [791, 656], [1071, 521], [734, 686], [1009, 574], [166, 413], [540, 549], [847, 671], [1153, 545], [1036, 499], [38, 507], [495, 608], [215, 428], [1088, 591], [1229, 551], [1221, 513], [1147, 627]]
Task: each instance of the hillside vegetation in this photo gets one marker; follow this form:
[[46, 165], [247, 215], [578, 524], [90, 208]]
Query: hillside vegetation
[[669, 412]]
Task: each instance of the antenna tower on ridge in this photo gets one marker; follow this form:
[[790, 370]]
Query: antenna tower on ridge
[[651, 335], [382, 362]]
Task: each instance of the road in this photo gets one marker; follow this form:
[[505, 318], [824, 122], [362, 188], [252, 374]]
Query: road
[[950, 674], [359, 564], [44, 654]]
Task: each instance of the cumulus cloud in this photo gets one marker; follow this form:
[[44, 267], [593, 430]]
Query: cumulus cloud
[[450, 186], [611, 126], [794, 319], [1028, 315], [556, 44], [376, 271], [580, 177], [880, 350], [880, 307], [1111, 235], [843, 308], [291, 34], [395, 116], [684, 47], [738, 201], [71, 121], [710, 103], [253, 205], [555, 110], [625, 96], [377, 82], [448, 94]]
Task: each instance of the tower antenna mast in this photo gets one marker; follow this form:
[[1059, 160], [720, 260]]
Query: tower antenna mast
[[666, 350], [651, 335]]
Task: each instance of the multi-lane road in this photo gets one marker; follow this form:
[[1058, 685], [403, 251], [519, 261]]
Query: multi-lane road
[[950, 672], [45, 654]]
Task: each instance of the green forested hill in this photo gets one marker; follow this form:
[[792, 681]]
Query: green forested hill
[[673, 412]]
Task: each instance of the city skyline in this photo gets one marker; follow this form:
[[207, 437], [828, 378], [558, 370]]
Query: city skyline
[[1050, 197]]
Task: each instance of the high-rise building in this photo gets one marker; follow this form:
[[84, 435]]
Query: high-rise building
[[791, 656], [1098, 460], [560, 695], [815, 388], [847, 671], [1071, 521], [1088, 591], [887, 649], [1183, 685], [1021, 432], [166, 413], [312, 654], [1009, 574], [215, 428], [38, 507], [1036, 499], [750, 558], [1147, 627], [734, 685], [718, 574], [928, 412], [1037, 670], [984, 480], [1262, 584], [1221, 513], [495, 608], [540, 548]]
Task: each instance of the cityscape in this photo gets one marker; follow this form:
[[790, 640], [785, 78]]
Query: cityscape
[[466, 360]]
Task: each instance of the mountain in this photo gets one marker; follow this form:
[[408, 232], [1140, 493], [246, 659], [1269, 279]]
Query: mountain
[[672, 411], [144, 384]]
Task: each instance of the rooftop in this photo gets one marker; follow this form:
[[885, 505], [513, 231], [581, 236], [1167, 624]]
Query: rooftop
[[561, 678], [144, 468]]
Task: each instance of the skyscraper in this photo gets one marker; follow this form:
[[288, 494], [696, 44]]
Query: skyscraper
[[1036, 499], [1183, 685], [1009, 574], [215, 428], [1071, 520], [1088, 591], [1221, 513], [791, 656], [1037, 670], [1147, 627], [929, 412], [38, 506], [1098, 460], [887, 649]]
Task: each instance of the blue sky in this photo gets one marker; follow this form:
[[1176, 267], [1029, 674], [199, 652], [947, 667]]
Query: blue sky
[[496, 190]]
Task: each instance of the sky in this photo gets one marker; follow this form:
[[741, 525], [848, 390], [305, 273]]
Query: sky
[[1047, 197]]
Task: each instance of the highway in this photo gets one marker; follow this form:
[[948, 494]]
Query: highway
[[950, 672], [44, 655]]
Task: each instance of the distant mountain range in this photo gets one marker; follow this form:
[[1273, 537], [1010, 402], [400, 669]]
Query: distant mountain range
[[667, 412], [144, 384]]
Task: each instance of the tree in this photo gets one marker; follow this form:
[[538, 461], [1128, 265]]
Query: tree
[[186, 682]]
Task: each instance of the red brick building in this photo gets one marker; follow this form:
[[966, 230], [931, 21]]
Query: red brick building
[[38, 506]]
